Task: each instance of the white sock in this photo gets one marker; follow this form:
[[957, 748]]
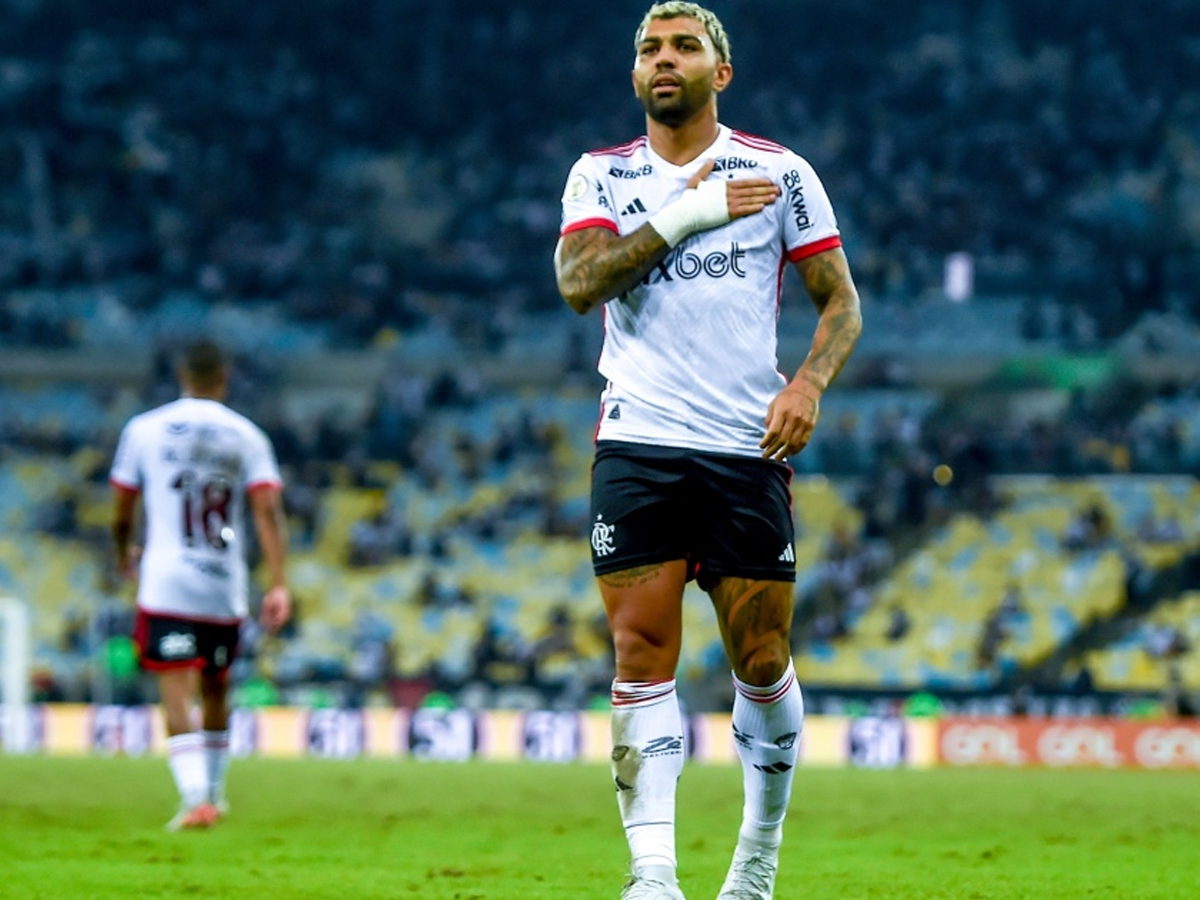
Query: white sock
[[185, 755], [767, 722], [216, 756], [647, 760]]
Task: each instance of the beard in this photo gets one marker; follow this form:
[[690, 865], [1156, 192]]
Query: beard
[[672, 110]]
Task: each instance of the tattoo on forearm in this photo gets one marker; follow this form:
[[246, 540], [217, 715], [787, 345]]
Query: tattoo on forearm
[[836, 335], [594, 265], [827, 279]]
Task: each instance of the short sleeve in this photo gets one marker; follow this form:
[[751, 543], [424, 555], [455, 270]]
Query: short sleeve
[[126, 472], [809, 224], [262, 469], [585, 200]]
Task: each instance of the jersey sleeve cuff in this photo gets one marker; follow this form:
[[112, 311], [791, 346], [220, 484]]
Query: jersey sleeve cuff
[[806, 250], [590, 223]]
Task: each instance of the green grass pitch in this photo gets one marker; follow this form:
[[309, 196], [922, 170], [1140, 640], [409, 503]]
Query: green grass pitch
[[92, 828]]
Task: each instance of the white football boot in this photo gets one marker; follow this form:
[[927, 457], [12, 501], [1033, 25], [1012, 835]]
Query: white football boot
[[653, 883], [751, 876]]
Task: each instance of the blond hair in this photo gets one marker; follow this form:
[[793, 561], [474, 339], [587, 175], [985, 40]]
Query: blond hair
[[677, 9]]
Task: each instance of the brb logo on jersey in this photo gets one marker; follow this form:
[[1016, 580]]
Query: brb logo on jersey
[[602, 538], [733, 164], [614, 172]]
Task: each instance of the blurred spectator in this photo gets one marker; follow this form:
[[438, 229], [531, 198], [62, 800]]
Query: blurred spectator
[[501, 657], [899, 623], [1165, 642], [1178, 700], [1154, 530], [555, 654], [371, 667], [993, 633], [1089, 529]]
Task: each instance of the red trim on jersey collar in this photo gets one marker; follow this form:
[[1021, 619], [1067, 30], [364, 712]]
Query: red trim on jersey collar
[[814, 248], [757, 143], [590, 223], [626, 149]]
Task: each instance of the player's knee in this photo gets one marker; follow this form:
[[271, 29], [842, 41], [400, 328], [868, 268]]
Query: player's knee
[[644, 656], [764, 664]]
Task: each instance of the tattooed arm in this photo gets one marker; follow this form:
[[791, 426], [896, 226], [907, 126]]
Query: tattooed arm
[[594, 265], [827, 279], [792, 415]]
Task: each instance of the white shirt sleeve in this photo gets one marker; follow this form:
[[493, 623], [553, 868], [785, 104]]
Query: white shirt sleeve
[[126, 469], [262, 469], [809, 225], [585, 200]]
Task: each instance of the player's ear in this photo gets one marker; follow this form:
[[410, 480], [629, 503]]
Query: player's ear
[[722, 76]]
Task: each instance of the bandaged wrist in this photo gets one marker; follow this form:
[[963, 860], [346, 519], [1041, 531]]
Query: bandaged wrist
[[699, 209]]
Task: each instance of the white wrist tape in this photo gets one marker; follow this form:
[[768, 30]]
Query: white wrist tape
[[699, 209]]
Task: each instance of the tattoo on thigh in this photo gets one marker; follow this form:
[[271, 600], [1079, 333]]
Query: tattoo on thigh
[[633, 577], [734, 599], [748, 607]]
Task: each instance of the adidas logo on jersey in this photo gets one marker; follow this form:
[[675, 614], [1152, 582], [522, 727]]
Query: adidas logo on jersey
[[788, 554], [616, 412], [635, 207]]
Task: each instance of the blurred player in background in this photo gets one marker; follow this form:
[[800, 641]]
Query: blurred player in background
[[195, 463], [681, 236]]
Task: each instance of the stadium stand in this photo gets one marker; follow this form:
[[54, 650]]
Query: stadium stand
[[1003, 489]]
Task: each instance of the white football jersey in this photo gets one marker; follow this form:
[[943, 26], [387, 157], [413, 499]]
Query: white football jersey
[[690, 354], [194, 462]]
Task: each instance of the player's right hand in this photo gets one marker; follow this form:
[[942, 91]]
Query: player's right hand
[[743, 196]]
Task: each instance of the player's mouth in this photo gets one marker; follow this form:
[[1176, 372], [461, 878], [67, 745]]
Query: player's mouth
[[665, 84]]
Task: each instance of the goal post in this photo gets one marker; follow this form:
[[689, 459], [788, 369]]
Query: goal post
[[15, 661]]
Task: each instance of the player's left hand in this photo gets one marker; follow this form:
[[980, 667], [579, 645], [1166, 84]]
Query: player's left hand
[[276, 608], [790, 421]]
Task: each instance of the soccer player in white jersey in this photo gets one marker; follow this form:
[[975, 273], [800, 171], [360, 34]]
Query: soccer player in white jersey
[[682, 237], [195, 463]]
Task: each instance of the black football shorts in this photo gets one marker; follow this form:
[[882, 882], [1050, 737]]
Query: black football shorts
[[167, 642], [725, 515]]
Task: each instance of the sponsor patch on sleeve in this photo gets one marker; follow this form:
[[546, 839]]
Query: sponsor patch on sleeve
[[576, 187]]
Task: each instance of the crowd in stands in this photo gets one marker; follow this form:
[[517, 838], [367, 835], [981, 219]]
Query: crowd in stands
[[394, 165], [333, 176]]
